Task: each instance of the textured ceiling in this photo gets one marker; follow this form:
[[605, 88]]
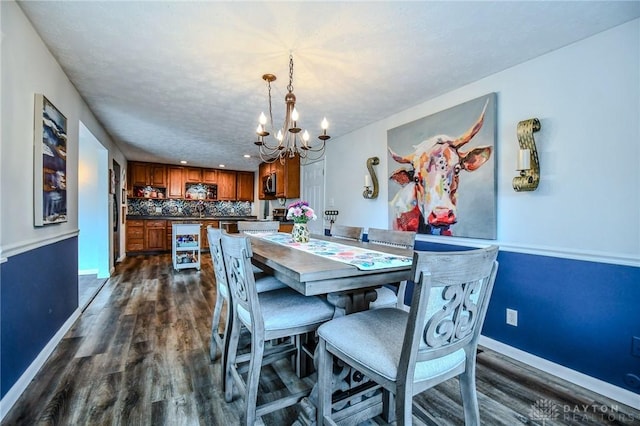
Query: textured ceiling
[[175, 81]]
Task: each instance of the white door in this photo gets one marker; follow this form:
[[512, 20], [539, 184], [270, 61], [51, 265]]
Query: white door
[[313, 192]]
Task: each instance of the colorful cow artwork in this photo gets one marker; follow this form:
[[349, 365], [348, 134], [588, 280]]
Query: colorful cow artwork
[[428, 197]]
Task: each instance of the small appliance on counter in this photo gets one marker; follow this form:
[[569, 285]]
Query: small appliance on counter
[[280, 215]]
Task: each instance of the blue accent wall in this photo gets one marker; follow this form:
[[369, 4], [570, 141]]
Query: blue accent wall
[[578, 314], [38, 293]]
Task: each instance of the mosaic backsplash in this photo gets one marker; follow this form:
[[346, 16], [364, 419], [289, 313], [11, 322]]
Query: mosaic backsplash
[[187, 208]]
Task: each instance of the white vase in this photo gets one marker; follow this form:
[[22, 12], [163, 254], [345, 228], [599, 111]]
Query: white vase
[[300, 233]]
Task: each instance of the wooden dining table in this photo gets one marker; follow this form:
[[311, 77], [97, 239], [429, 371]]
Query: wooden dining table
[[352, 288]]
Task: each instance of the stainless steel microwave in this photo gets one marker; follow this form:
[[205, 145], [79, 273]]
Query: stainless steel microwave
[[269, 184]]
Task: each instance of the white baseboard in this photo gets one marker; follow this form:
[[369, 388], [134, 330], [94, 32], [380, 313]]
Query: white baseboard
[[88, 272], [595, 385], [21, 384]]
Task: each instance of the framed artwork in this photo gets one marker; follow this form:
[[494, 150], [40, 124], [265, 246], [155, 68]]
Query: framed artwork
[[443, 172], [112, 182], [50, 163]]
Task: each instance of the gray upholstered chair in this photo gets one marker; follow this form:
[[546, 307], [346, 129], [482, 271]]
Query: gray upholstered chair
[[271, 315], [258, 226], [263, 282], [347, 232], [387, 298], [406, 353]]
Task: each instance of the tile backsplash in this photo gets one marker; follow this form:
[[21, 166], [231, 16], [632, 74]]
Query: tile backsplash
[[186, 208]]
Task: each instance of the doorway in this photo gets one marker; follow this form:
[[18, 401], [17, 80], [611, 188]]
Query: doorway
[[93, 216], [313, 192]]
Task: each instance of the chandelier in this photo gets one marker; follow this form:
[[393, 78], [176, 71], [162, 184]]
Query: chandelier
[[288, 141]]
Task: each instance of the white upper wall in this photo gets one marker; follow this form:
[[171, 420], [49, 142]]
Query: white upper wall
[[587, 97], [28, 68]]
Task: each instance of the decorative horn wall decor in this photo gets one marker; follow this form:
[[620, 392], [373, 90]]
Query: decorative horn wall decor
[[369, 191], [528, 164]]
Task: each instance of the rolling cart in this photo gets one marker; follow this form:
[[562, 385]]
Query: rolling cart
[[185, 246]]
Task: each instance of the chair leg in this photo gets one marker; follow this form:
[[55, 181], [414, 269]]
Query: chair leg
[[404, 405], [402, 288], [469, 395], [224, 352], [325, 374], [388, 406], [253, 378], [231, 351], [215, 324]]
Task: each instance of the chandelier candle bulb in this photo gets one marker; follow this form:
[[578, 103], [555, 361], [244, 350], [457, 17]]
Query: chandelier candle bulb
[[367, 182]]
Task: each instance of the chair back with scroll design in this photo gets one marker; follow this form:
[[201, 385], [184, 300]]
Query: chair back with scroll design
[[404, 239], [433, 342], [258, 226], [347, 232]]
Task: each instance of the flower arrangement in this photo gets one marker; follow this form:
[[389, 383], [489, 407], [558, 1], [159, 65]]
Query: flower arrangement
[[300, 212]]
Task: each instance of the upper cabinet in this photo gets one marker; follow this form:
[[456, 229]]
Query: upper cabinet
[[169, 181], [226, 185], [193, 174], [287, 178], [175, 186], [147, 174], [244, 186]]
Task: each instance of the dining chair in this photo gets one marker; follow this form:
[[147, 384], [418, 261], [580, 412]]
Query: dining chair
[[347, 232], [388, 298], [405, 353], [268, 316], [263, 282], [258, 226]]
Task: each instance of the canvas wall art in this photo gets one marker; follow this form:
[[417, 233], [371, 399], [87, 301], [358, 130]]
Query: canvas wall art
[[50, 163], [443, 172]]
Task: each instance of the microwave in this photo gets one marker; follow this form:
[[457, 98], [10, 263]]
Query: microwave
[[269, 184]]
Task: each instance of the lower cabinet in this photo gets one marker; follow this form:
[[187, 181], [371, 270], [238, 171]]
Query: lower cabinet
[[155, 235], [150, 235]]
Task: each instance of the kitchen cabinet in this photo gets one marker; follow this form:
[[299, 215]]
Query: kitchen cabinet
[[135, 235], [155, 233], [288, 178], [193, 174], [204, 238], [147, 174], [245, 186], [226, 185], [175, 182], [146, 235], [209, 176]]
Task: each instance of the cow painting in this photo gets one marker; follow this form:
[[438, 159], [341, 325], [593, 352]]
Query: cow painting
[[428, 196]]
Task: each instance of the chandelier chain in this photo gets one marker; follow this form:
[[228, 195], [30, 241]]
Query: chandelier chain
[[290, 86], [270, 108]]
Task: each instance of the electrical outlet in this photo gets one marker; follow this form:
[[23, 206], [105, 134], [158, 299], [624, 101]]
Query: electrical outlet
[[635, 346], [158, 209], [512, 317]]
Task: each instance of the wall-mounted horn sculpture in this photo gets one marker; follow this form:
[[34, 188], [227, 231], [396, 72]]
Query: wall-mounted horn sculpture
[[369, 191], [528, 163]]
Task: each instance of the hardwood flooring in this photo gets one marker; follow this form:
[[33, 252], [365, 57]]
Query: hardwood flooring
[[138, 355]]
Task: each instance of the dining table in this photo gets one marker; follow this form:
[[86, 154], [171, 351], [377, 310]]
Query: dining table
[[349, 284], [312, 274]]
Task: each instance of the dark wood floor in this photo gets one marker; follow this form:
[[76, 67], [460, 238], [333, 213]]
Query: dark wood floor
[[138, 355]]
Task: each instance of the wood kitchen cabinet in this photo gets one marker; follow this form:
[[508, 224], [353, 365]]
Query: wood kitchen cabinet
[[226, 185], [204, 239], [245, 186], [193, 174], [287, 178], [175, 182], [209, 176], [135, 235], [146, 235], [155, 235], [147, 174]]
